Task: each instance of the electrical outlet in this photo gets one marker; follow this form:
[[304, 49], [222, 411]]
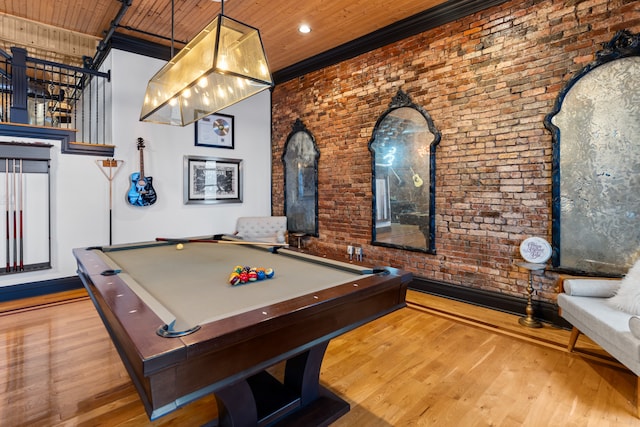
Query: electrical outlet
[[350, 252], [359, 253]]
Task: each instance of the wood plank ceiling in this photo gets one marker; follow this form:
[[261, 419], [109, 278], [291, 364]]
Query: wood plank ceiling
[[65, 30]]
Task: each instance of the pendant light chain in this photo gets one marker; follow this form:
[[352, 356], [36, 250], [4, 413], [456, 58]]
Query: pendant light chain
[[172, 24]]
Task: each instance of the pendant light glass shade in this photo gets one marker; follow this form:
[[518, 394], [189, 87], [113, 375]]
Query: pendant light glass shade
[[224, 64]]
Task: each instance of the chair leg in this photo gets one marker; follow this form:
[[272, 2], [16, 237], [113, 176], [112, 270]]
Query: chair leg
[[575, 333], [638, 397]]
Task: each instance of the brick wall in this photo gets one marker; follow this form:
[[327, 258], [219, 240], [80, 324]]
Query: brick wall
[[487, 81]]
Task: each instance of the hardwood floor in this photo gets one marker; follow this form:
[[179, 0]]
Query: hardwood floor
[[435, 363]]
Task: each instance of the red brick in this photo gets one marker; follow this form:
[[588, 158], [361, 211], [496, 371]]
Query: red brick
[[487, 81]]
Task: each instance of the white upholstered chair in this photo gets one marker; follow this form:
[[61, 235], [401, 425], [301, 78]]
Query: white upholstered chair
[[262, 228]]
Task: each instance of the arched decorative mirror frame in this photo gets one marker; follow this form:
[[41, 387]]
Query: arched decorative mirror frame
[[426, 225], [300, 160], [596, 156]]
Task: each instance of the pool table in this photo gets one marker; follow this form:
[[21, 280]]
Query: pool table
[[183, 331]]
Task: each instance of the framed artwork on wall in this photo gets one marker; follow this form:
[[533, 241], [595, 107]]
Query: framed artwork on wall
[[210, 180], [215, 130]]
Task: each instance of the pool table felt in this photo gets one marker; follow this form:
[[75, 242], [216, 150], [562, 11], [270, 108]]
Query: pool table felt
[[191, 285]]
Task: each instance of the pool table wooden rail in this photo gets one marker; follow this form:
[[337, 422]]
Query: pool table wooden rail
[[238, 344], [171, 372]]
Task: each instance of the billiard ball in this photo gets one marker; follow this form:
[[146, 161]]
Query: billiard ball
[[269, 273], [179, 246], [234, 278]]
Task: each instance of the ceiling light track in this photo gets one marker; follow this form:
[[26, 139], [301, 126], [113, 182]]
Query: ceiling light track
[[101, 50], [147, 33]]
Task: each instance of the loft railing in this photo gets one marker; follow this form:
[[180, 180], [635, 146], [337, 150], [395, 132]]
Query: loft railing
[[60, 99]]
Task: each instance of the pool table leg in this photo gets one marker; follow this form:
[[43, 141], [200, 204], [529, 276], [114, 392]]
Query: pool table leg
[[236, 406], [302, 373], [300, 400]]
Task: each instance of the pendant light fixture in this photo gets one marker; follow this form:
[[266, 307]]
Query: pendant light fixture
[[224, 64]]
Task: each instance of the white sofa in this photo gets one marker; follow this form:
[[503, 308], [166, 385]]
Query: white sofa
[[270, 229], [585, 303]]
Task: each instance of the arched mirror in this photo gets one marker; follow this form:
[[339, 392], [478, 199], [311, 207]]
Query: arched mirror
[[595, 126], [403, 147], [300, 159]]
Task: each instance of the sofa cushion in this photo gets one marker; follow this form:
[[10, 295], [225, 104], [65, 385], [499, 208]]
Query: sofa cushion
[[634, 325], [601, 288], [605, 325], [627, 298]]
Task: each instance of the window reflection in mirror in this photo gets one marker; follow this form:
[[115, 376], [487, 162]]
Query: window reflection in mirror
[[403, 155], [300, 160]]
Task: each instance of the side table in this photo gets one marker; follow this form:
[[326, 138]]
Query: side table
[[299, 236], [528, 320]]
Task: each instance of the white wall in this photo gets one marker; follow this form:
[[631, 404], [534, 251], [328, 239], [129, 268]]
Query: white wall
[[79, 191]]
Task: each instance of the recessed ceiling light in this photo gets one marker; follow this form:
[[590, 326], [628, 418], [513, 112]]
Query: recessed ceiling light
[[304, 29]]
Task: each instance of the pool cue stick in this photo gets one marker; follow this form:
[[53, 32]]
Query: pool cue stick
[[15, 229], [111, 164], [20, 190], [6, 165], [111, 202], [224, 242]]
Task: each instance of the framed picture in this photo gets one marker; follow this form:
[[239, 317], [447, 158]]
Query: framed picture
[[209, 180], [215, 130]]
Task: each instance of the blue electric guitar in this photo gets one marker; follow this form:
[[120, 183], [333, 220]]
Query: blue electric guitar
[[141, 192]]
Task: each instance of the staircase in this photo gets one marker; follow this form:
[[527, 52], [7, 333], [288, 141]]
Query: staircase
[[44, 99]]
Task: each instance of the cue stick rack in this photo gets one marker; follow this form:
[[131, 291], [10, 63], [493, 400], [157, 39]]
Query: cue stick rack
[[113, 166], [25, 199]]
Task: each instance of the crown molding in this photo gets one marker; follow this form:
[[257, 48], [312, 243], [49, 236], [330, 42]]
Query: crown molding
[[416, 24]]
